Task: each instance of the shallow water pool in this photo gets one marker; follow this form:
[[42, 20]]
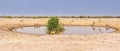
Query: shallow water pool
[[68, 30]]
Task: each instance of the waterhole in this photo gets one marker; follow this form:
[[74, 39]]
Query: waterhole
[[68, 30]]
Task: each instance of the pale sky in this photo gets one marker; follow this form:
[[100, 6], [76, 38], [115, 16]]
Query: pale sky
[[60, 7]]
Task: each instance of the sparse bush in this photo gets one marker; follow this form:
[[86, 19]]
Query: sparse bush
[[82, 16], [53, 26], [22, 16], [36, 17], [8, 16]]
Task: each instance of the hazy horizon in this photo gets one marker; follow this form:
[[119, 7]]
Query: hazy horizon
[[59, 7]]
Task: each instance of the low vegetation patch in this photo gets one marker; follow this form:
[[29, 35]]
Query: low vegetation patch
[[9, 17]]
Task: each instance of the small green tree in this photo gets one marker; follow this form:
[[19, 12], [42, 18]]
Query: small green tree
[[53, 26]]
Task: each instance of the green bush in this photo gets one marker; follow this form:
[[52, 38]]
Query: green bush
[[53, 26]]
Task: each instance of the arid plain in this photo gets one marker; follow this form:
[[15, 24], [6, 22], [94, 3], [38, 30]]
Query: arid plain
[[16, 41]]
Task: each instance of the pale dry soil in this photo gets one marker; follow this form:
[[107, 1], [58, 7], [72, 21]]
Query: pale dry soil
[[14, 41]]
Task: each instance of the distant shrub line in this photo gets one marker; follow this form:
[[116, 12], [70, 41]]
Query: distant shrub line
[[35, 17]]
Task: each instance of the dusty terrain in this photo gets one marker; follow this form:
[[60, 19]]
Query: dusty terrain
[[14, 41]]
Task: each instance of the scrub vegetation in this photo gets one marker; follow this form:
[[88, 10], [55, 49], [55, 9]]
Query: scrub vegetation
[[53, 26]]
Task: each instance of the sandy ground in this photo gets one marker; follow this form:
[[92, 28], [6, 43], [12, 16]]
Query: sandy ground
[[14, 41]]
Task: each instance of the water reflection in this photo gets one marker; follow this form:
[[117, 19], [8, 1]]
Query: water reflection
[[100, 30], [107, 27], [36, 27], [93, 28], [68, 30]]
